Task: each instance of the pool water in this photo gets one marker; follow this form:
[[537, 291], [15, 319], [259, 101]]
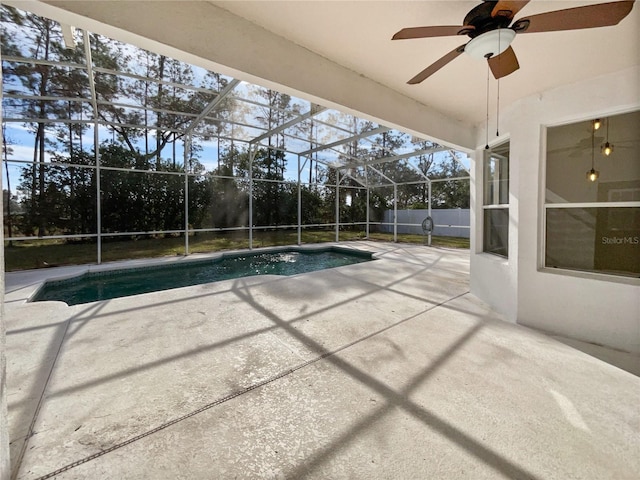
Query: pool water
[[94, 286]]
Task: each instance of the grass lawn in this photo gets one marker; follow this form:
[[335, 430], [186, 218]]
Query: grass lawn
[[26, 255]]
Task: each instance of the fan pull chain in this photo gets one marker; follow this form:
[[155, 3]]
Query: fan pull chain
[[486, 147], [498, 109], [498, 93]]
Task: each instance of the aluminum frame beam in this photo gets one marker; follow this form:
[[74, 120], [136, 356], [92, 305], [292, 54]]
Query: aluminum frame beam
[[224, 93], [415, 153], [368, 133], [381, 174], [315, 110], [48, 63], [96, 141]]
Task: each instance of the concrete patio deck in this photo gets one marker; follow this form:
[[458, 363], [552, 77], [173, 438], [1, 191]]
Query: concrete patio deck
[[386, 369]]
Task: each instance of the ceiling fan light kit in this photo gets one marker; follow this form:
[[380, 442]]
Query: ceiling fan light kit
[[490, 44]]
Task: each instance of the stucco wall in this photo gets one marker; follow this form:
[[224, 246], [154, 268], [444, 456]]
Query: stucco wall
[[493, 278], [591, 308]]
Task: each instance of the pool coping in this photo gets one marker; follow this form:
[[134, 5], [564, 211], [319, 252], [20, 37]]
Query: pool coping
[[22, 286]]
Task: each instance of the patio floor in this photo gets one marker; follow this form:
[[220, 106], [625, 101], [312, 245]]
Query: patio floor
[[384, 369]]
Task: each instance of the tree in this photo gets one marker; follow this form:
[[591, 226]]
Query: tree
[[158, 104], [229, 204], [228, 110], [131, 201], [450, 193], [40, 38]]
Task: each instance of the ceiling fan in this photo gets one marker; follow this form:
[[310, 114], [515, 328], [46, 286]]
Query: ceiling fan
[[488, 27]]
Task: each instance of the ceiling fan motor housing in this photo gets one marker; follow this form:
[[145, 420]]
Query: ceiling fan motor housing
[[480, 18]]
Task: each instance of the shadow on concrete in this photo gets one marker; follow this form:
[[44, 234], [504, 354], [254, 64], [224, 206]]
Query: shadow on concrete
[[242, 289], [393, 399], [28, 410], [374, 288]]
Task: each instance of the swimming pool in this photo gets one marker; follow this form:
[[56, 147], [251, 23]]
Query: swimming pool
[[105, 285]]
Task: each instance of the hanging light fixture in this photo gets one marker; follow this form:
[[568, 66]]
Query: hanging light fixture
[[593, 174], [607, 148], [597, 124]]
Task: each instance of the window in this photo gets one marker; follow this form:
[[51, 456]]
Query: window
[[593, 224], [496, 201]]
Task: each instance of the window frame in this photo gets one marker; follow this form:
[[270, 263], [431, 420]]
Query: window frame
[[488, 156], [546, 205]]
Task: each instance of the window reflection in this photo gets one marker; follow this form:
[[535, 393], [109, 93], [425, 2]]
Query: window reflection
[[594, 226]]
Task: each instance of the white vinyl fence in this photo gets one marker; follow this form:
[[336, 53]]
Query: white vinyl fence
[[448, 222]]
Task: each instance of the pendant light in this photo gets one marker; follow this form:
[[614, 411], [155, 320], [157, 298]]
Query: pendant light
[[607, 148], [593, 174]]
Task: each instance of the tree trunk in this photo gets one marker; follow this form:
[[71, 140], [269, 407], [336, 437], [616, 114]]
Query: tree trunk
[[41, 182], [40, 135], [159, 145], [175, 139], [6, 166], [146, 117], [71, 203]]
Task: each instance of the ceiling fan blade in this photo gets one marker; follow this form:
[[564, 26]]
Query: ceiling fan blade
[[437, 31], [508, 8], [434, 67], [588, 16], [504, 64]]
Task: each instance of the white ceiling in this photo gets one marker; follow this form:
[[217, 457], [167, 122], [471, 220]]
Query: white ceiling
[[357, 35]]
